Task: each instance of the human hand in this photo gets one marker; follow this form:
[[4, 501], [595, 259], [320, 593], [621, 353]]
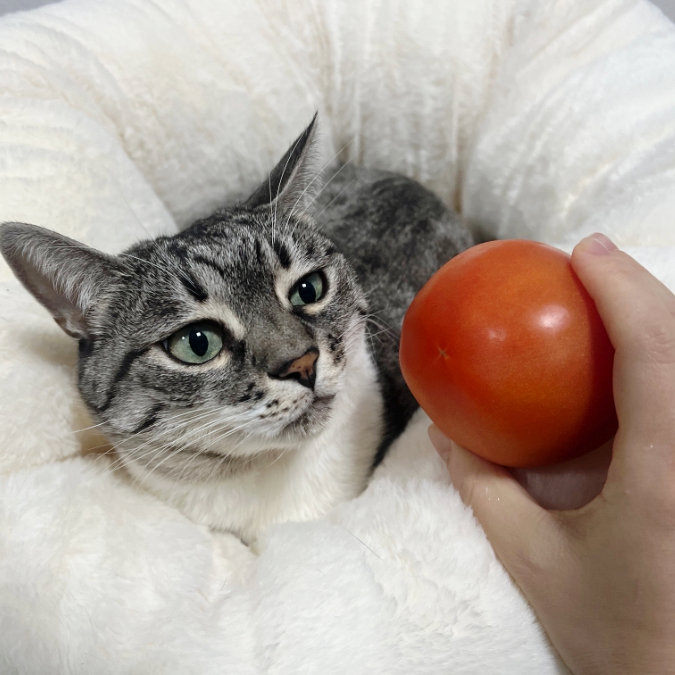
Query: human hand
[[601, 578]]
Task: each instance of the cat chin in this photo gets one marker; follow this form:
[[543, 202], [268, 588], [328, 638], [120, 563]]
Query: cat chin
[[195, 466], [311, 422]]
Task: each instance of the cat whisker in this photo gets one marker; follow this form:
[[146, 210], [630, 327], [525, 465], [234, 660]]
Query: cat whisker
[[317, 216], [374, 288], [318, 175], [389, 333], [204, 431], [83, 429], [223, 460], [378, 324], [379, 333], [132, 211], [165, 431], [353, 329], [199, 432], [217, 439], [98, 456], [176, 271], [176, 424], [269, 186], [277, 458], [220, 435]]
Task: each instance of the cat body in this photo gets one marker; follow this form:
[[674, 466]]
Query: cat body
[[246, 369]]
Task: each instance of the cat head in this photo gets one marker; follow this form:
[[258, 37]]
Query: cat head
[[201, 351]]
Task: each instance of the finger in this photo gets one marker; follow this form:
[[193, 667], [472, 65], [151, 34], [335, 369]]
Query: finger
[[621, 287], [523, 535], [639, 314], [570, 484]]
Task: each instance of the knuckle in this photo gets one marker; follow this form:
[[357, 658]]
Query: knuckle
[[657, 342], [650, 318], [658, 508], [525, 563], [470, 489], [622, 270], [531, 559], [468, 482]]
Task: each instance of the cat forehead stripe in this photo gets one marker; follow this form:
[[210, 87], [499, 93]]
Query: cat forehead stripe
[[226, 316], [282, 253], [193, 288]]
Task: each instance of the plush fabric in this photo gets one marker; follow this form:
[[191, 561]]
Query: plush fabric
[[121, 119]]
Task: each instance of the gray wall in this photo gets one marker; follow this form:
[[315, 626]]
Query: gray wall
[[668, 6], [15, 5]]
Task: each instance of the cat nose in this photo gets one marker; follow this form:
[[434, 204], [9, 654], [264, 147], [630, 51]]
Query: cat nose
[[301, 369]]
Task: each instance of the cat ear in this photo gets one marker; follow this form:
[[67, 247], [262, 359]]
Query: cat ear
[[294, 181], [65, 276]]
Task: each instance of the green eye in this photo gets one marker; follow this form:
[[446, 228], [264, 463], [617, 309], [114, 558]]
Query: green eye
[[196, 343], [308, 290]]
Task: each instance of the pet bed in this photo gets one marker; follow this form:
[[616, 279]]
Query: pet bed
[[121, 119]]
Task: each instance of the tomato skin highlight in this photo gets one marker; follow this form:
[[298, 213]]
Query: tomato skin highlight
[[505, 351]]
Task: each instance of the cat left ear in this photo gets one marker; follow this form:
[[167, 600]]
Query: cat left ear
[[294, 182], [65, 276]]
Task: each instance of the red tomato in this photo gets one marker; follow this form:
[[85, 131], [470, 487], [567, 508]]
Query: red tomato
[[505, 351]]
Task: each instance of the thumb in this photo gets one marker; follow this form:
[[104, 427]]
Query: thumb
[[639, 314], [524, 536]]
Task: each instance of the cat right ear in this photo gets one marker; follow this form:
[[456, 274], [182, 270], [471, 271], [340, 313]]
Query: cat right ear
[[293, 182], [66, 277]]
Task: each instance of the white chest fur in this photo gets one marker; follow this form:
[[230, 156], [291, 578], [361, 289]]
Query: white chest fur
[[302, 483]]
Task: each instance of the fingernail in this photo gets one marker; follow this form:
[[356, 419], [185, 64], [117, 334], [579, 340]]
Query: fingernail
[[597, 244], [440, 441]]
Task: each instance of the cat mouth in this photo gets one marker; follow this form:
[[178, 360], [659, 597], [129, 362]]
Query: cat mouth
[[313, 419], [204, 454], [321, 404]]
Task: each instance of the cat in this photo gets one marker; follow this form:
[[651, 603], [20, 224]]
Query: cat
[[246, 369]]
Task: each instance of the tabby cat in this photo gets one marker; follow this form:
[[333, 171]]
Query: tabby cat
[[246, 369]]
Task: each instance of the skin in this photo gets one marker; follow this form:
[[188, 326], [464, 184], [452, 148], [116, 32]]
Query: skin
[[601, 578]]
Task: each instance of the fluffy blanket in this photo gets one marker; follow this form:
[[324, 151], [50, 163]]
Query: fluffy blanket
[[119, 119]]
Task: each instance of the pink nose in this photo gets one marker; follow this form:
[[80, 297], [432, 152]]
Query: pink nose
[[301, 369]]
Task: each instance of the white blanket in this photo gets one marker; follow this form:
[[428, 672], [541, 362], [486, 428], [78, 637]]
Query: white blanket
[[542, 119]]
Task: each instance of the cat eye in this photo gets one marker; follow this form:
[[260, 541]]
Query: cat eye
[[308, 290], [196, 343]]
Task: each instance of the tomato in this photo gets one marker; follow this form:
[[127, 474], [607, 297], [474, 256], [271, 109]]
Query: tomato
[[505, 351]]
